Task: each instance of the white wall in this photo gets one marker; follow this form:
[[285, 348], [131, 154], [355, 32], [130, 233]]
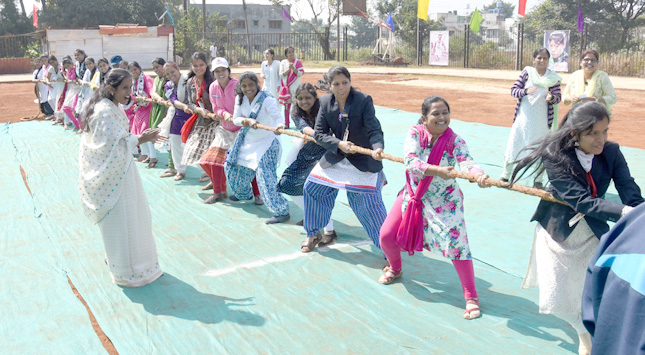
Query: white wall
[[140, 47]]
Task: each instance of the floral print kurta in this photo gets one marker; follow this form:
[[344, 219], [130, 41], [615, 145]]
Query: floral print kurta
[[444, 229]]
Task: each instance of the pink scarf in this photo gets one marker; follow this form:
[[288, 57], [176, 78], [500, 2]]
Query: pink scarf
[[410, 234], [293, 75]]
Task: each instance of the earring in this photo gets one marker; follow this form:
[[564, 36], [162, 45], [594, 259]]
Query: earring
[[576, 144]]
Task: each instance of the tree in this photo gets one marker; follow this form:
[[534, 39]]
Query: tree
[[365, 32], [11, 21], [68, 13], [189, 28], [404, 14], [603, 15], [325, 12], [508, 9]]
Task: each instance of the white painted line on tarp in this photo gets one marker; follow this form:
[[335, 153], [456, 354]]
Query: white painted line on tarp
[[280, 258]]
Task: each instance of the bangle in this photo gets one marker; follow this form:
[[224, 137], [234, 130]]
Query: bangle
[[244, 121]]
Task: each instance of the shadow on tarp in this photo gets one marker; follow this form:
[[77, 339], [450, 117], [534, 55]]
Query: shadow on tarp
[[169, 296]]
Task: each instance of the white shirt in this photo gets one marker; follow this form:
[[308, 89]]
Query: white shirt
[[257, 141], [271, 75], [213, 51]]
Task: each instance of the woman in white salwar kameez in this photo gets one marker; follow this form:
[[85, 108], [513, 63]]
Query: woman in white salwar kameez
[[538, 94], [110, 187], [580, 164]]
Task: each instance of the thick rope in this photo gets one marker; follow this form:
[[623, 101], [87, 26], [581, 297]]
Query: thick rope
[[543, 194]]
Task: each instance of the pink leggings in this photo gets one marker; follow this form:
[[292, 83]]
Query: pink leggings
[[392, 251], [68, 111]]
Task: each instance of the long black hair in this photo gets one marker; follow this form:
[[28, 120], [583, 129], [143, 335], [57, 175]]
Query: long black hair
[[95, 67], [101, 74], [114, 78], [579, 120], [310, 118], [208, 76], [238, 89]]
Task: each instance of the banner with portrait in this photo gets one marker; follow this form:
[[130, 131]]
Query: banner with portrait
[[439, 47], [557, 42]]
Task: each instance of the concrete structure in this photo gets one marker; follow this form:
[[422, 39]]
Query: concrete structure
[[263, 18], [133, 43]]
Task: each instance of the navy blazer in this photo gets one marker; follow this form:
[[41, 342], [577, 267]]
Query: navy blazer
[[575, 190], [364, 130]]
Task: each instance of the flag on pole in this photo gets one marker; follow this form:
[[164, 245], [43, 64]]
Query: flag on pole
[[35, 16], [521, 8], [170, 15], [390, 21], [475, 21], [286, 15], [422, 9], [581, 20]]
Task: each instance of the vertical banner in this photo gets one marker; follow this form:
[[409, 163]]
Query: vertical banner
[[558, 44], [439, 47]]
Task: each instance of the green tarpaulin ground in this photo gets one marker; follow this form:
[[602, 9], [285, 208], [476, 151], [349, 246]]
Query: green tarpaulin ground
[[235, 285]]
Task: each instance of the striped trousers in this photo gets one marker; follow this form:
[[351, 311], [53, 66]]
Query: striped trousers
[[240, 177], [319, 202]]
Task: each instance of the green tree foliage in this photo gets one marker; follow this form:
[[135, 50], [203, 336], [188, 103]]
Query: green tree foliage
[[364, 33], [189, 34], [12, 21], [610, 22], [404, 14], [508, 8], [91, 13], [325, 13]]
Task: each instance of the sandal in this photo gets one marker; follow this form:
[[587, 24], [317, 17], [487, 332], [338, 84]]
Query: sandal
[[152, 163], [204, 178], [180, 176], [329, 238], [310, 243], [472, 312], [208, 187], [143, 159], [389, 276]]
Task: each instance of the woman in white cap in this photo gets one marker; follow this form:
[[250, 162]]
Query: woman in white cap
[[222, 97]]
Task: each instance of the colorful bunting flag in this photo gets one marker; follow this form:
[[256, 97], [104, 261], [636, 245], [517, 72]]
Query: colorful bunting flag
[[475, 21], [581, 20], [422, 9], [390, 21], [521, 8], [286, 15], [35, 16]]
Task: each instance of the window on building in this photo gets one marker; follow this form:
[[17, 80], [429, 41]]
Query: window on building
[[256, 23], [238, 24], [275, 24]]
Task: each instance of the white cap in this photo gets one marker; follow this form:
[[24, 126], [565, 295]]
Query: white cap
[[219, 62]]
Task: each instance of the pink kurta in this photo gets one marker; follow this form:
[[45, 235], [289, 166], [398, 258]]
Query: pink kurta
[[142, 110]]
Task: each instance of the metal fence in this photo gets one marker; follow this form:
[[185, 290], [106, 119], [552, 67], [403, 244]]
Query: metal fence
[[17, 46], [235, 46], [489, 49]]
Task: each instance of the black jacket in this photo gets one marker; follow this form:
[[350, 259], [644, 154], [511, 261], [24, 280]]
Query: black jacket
[[364, 130], [575, 190]]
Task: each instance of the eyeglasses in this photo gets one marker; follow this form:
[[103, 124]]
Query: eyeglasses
[[589, 60]]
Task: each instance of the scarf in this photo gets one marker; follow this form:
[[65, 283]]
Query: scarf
[[80, 69], [291, 78], [232, 154], [190, 123], [547, 80], [410, 234]]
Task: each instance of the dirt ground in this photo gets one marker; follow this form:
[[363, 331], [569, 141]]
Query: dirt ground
[[473, 100]]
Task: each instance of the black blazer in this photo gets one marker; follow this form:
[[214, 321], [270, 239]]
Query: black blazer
[[364, 130], [575, 190]]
